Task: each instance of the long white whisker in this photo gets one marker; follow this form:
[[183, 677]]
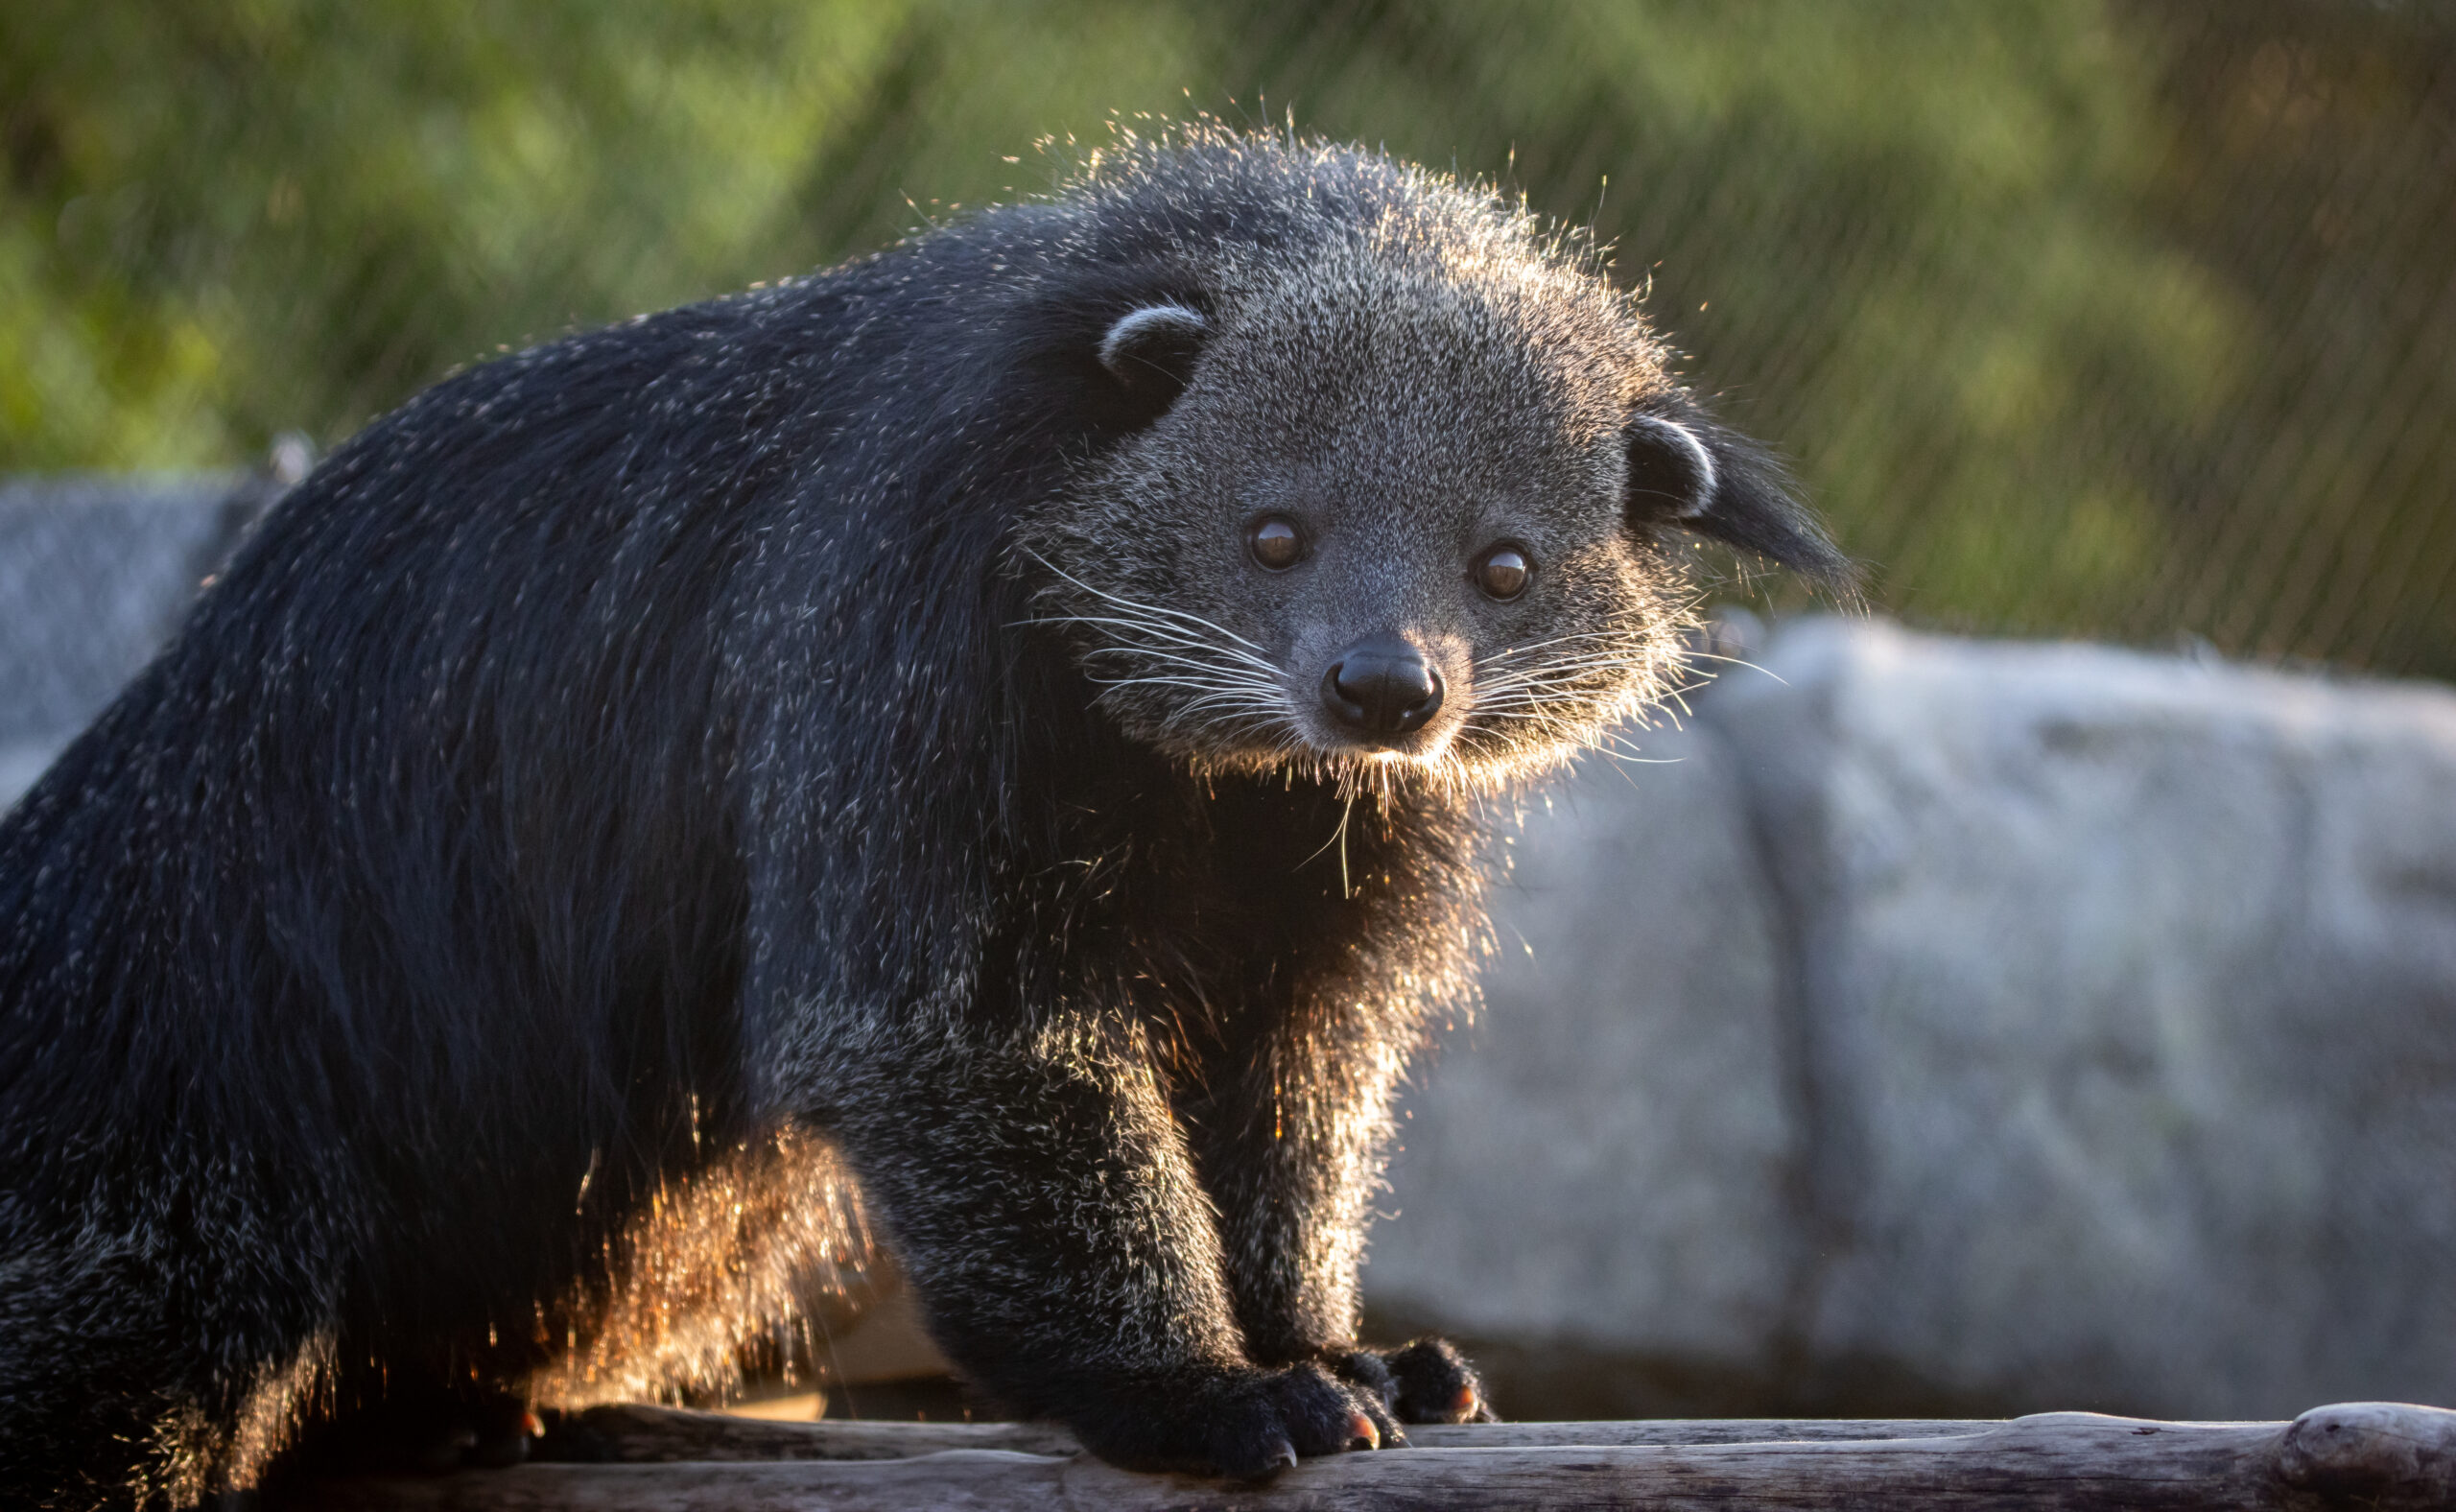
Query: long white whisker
[[1735, 661], [1508, 652], [1173, 659], [1167, 634], [1145, 608]]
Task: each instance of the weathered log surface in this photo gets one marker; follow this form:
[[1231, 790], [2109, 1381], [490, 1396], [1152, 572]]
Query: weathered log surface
[[2373, 1455], [639, 1434]]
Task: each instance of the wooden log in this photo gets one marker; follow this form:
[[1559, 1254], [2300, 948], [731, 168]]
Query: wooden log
[[634, 1434], [2373, 1455]]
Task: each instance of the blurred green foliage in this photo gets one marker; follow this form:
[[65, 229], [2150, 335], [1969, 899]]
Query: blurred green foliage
[[2112, 317]]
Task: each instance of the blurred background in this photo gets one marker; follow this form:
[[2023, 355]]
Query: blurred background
[[2121, 318], [1954, 1026]]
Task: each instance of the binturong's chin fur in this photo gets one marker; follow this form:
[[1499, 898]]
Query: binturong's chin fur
[[873, 754]]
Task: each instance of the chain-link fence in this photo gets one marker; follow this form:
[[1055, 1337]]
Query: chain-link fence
[[2134, 320]]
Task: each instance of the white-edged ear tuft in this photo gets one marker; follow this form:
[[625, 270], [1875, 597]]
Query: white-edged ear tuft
[[1684, 479], [1693, 474], [1155, 344]]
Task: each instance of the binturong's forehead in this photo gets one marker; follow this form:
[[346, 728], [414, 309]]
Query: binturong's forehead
[[1429, 381]]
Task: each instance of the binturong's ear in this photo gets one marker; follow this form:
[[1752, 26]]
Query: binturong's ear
[[1687, 471], [1151, 350]]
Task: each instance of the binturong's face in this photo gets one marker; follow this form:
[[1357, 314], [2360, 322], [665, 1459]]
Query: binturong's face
[[1395, 521]]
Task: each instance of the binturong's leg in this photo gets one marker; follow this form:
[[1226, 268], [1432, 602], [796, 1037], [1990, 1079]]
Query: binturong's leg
[[1039, 1195], [1290, 1145], [144, 1369]]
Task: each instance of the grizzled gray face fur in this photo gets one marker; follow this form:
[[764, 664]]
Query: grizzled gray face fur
[[1384, 531]]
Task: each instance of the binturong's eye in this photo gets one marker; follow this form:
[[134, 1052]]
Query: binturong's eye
[[1275, 543], [1502, 572]]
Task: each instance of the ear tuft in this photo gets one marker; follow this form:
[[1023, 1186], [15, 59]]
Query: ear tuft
[[1671, 474], [1689, 472], [1152, 350]]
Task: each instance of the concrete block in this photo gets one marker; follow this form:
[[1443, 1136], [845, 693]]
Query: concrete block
[[95, 573]]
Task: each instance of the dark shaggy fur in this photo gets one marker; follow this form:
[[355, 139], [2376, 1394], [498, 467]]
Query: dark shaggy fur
[[838, 723]]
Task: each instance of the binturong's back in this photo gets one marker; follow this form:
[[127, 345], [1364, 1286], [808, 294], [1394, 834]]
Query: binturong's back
[[990, 745]]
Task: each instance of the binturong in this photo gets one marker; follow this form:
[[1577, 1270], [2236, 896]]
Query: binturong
[[992, 744]]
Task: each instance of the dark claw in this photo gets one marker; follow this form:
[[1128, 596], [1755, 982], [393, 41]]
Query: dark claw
[[1361, 1433]]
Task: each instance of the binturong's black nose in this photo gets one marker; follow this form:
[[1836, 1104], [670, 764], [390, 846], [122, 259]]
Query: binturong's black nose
[[1382, 686]]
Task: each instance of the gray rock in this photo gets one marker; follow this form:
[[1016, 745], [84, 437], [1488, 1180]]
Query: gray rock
[[95, 573], [1604, 1152], [2117, 1058], [2131, 1016]]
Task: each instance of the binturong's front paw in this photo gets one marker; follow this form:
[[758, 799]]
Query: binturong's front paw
[[1246, 1424], [1425, 1381]]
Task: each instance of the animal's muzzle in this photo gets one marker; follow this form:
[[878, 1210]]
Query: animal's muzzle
[[1382, 688]]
